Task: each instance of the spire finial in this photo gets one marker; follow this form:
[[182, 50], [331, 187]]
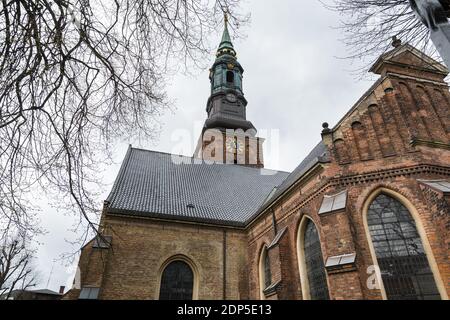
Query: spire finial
[[396, 42], [226, 46], [225, 18]]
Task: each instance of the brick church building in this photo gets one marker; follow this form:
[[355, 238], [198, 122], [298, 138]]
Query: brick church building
[[364, 216]]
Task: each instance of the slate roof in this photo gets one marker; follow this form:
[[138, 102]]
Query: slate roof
[[162, 185], [439, 185], [46, 291], [318, 155]]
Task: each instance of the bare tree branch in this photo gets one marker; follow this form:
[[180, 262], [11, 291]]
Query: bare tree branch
[[16, 272], [75, 76], [369, 26]]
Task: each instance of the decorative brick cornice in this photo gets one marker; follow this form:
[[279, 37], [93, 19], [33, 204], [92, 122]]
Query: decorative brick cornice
[[363, 178], [432, 144], [405, 77], [341, 269], [389, 173]]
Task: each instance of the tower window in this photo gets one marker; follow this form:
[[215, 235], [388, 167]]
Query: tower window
[[230, 77]]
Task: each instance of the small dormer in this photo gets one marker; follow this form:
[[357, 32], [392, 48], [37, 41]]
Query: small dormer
[[404, 59]]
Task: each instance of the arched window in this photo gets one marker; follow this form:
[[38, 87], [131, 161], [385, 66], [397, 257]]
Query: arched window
[[315, 269], [264, 271], [403, 263], [230, 77], [177, 282], [267, 274]]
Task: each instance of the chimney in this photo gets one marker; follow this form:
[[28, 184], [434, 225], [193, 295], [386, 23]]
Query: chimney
[[61, 289]]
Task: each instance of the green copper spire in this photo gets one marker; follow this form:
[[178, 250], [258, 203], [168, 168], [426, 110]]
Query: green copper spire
[[226, 46]]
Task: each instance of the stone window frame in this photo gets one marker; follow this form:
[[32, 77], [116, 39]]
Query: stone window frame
[[301, 258], [190, 263], [420, 229]]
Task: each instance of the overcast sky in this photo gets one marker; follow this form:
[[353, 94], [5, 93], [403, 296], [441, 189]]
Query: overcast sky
[[293, 81]]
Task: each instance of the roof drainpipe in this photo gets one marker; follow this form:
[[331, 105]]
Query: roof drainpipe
[[274, 222], [224, 259]]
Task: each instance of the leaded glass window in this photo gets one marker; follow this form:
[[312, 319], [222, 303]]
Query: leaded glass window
[[177, 282], [401, 257], [267, 273], [315, 269]]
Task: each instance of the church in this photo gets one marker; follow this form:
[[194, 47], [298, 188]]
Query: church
[[364, 216]]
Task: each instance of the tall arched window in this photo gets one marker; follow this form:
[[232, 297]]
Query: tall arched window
[[315, 269], [177, 282], [267, 273], [403, 263], [264, 271]]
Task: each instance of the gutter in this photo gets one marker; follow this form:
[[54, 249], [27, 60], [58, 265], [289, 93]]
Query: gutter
[[176, 219]]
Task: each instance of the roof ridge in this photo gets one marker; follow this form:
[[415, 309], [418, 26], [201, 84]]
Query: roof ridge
[[367, 93], [207, 161], [161, 152]]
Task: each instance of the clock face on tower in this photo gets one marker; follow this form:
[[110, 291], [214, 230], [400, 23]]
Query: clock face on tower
[[233, 145], [231, 97]]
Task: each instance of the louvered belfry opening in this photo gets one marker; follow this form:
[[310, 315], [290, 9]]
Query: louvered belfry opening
[[403, 262]]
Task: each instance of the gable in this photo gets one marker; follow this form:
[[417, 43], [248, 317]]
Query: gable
[[411, 58], [407, 57]]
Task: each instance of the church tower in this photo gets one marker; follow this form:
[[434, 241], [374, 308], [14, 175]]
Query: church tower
[[227, 135]]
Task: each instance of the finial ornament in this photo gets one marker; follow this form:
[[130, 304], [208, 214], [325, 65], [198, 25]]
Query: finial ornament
[[326, 128], [226, 46], [225, 18], [396, 42]]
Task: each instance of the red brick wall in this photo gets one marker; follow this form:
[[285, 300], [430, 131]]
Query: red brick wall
[[370, 148]]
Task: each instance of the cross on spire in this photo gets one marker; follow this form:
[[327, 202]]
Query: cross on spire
[[225, 18], [226, 46]]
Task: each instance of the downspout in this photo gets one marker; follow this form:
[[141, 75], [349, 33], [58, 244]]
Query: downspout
[[274, 223], [224, 260]]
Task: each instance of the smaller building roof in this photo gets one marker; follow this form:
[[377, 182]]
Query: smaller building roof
[[45, 291], [340, 260], [333, 202], [277, 238], [439, 185]]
